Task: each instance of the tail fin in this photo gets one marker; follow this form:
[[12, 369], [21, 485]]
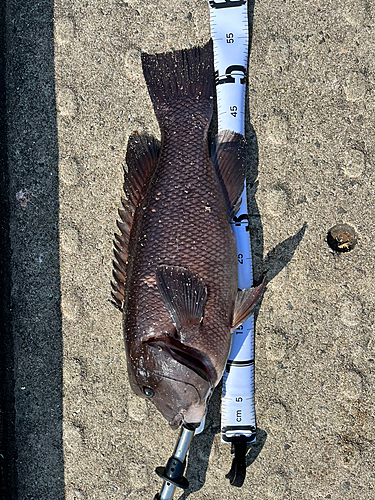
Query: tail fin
[[174, 75]]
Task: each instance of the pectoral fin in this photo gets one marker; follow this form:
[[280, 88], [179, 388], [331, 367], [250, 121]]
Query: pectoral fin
[[245, 303], [184, 295]]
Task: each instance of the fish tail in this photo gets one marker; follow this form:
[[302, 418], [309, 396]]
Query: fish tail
[[174, 75]]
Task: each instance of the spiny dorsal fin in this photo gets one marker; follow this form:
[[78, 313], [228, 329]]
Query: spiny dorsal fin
[[141, 156], [246, 301], [228, 154], [184, 295]]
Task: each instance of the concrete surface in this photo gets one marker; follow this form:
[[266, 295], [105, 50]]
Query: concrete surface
[[75, 93]]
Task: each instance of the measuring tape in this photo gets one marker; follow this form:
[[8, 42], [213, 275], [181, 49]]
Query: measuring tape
[[229, 31]]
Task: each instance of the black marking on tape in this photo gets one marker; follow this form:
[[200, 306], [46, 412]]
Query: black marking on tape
[[226, 3], [230, 363]]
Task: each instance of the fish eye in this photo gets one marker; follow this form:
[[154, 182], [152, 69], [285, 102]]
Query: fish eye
[[148, 392]]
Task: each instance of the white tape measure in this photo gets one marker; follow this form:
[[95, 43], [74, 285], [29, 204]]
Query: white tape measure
[[229, 31]]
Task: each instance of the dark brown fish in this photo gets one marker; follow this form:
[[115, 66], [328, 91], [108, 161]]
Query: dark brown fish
[[176, 262]]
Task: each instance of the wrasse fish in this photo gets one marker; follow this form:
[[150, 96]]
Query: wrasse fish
[[176, 260]]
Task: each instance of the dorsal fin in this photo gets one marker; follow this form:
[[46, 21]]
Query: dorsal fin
[[246, 301], [141, 156], [228, 154]]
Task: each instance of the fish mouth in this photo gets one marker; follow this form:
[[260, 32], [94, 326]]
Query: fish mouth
[[176, 421], [192, 358], [196, 415]]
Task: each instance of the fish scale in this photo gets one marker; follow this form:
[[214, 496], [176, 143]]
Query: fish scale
[[179, 216], [177, 284]]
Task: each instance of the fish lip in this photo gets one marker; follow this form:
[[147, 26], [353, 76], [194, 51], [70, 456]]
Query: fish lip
[[191, 426], [177, 421], [195, 414]]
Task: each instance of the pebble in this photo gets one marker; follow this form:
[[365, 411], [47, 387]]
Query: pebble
[[72, 437], [66, 102], [64, 30], [342, 238], [350, 311], [354, 163], [355, 86]]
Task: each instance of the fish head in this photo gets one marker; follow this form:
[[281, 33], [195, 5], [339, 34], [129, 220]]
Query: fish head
[[176, 378]]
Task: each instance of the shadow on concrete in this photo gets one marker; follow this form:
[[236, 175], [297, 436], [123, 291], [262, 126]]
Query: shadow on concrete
[[256, 448], [33, 449]]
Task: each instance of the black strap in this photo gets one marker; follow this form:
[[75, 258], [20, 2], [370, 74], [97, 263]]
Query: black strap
[[237, 473]]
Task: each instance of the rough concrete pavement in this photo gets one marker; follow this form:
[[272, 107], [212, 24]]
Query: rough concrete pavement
[[75, 93]]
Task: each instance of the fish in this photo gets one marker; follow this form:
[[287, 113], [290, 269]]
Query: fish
[[175, 267]]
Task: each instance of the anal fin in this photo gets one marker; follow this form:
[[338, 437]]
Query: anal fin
[[141, 156], [246, 301]]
